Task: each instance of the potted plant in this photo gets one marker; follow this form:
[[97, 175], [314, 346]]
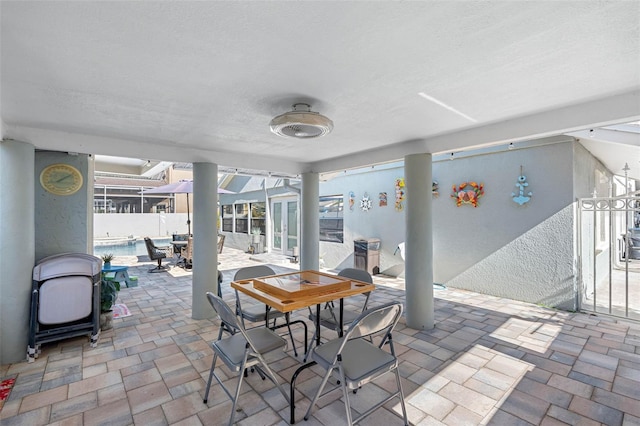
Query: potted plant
[[108, 296], [106, 260]]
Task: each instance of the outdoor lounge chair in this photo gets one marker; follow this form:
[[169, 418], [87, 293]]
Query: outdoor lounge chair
[[356, 361], [187, 254], [156, 253], [65, 300]]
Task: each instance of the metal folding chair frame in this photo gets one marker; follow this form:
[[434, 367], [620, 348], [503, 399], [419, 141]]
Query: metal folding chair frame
[[269, 314], [327, 317], [376, 321], [252, 357]]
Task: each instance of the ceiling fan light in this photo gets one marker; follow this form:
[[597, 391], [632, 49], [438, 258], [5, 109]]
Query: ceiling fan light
[[301, 123]]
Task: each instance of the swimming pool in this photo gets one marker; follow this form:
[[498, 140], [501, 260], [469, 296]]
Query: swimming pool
[[137, 249]]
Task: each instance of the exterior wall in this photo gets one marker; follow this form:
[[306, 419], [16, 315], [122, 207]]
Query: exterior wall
[[501, 248], [384, 223], [140, 224], [63, 223], [536, 267], [17, 248], [590, 177], [589, 174], [521, 252], [249, 190]]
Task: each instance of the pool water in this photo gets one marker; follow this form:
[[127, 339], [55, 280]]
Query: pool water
[[137, 249]]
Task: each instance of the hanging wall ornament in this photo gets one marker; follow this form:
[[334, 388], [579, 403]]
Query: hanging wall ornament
[[399, 194], [468, 193], [365, 203], [434, 189], [382, 197], [520, 197], [352, 200]]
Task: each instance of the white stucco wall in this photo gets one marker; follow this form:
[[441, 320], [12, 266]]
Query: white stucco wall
[[384, 223], [523, 252], [140, 224], [504, 249], [526, 252], [17, 248], [535, 267], [590, 176], [464, 236]]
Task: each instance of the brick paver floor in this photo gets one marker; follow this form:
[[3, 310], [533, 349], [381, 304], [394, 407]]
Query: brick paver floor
[[487, 361]]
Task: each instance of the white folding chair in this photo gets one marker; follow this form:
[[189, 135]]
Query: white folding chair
[[329, 318], [258, 312], [356, 361], [242, 350]]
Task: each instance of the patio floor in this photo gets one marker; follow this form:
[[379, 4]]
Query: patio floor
[[487, 361]]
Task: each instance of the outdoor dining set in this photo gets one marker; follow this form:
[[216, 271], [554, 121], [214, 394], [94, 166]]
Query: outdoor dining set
[[181, 249], [361, 352]]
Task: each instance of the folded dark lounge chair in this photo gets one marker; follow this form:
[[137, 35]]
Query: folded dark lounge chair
[[65, 300]]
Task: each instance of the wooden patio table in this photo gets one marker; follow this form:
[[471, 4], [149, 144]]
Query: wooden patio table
[[298, 290]]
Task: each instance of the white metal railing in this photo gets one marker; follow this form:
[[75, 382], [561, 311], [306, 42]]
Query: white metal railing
[[608, 272]]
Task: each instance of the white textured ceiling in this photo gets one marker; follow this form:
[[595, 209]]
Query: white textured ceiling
[[200, 81]]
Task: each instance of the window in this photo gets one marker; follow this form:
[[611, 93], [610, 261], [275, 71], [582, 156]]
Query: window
[[123, 199], [242, 218], [257, 217], [236, 217], [331, 221], [227, 218]]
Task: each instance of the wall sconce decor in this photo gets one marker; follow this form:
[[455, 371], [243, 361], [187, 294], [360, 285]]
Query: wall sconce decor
[[463, 195]]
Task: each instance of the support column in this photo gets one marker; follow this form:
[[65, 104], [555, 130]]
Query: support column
[[419, 242], [205, 238], [268, 231], [17, 251], [310, 222]]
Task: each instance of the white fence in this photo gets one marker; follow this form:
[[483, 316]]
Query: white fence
[[139, 224]]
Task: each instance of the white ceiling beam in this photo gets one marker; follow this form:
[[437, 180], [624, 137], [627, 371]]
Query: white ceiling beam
[[55, 140], [608, 135], [153, 168], [602, 112], [598, 113]]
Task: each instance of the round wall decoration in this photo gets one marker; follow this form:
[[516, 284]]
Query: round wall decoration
[[61, 179], [365, 203]]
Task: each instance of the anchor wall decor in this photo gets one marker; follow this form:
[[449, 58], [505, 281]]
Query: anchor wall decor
[[520, 197]]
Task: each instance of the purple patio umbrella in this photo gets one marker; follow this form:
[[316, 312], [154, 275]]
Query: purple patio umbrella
[[181, 187]]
